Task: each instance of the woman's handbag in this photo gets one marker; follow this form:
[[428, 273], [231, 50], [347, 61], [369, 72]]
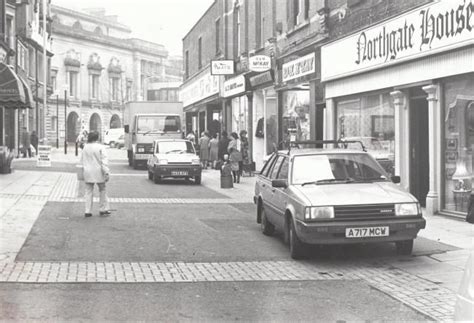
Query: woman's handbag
[[80, 172]]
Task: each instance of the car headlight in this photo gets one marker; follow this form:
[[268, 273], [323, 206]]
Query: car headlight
[[162, 161], [319, 213], [141, 149], [407, 209], [196, 161]]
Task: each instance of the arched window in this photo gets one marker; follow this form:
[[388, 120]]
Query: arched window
[[77, 26], [98, 30]]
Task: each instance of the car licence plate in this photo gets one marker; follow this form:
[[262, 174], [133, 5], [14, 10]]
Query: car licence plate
[[367, 232], [179, 173]]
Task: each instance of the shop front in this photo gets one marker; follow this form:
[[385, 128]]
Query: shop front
[[405, 88], [297, 97], [201, 104]]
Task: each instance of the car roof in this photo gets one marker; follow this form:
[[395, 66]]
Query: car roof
[[319, 151], [170, 139]]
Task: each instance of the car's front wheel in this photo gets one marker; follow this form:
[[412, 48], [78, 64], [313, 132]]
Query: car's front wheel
[[197, 180], [267, 228], [404, 247], [150, 175], [296, 246], [156, 178]]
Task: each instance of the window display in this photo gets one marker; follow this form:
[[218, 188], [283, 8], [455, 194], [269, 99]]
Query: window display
[[459, 142], [370, 119], [296, 120]]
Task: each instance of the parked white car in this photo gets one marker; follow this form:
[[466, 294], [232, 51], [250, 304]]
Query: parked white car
[[112, 136], [464, 310]]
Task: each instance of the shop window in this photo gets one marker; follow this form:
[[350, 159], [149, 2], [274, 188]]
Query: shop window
[[94, 86], [371, 120], [114, 88], [73, 84], [199, 53], [459, 143], [296, 120]]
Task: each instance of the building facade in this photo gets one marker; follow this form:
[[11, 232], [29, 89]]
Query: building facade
[[23, 69], [97, 67]]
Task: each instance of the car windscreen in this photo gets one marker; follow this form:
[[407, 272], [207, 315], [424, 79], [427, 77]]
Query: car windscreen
[[336, 168], [178, 147], [152, 124]]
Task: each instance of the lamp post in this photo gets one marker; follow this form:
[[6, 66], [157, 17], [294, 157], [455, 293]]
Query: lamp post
[[65, 122], [57, 121]]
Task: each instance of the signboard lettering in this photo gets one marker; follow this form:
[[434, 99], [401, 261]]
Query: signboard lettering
[[436, 27], [199, 89], [222, 67], [260, 63], [234, 86], [44, 156], [260, 79], [299, 67]]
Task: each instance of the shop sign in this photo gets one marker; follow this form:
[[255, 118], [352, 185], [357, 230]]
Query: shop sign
[[233, 86], [437, 27], [260, 79], [299, 67], [260, 63], [44, 156], [198, 89], [222, 67]]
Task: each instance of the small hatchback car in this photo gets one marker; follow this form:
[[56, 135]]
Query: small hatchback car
[[174, 158], [334, 196]]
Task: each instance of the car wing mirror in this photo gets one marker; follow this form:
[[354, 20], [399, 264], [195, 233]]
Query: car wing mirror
[[396, 179], [282, 183]]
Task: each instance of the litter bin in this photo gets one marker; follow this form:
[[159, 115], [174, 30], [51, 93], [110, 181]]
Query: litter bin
[[6, 157]]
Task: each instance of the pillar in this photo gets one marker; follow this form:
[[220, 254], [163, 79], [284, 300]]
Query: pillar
[[402, 165], [432, 199], [330, 126], [250, 124]]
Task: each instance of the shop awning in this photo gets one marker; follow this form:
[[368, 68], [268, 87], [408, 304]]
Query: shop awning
[[12, 89], [28, 94]]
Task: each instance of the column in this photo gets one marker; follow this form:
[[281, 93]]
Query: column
[[399, 102], [250, 124], [330, 122], [433, 107]]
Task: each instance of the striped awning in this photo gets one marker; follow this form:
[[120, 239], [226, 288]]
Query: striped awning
[[14, 92]]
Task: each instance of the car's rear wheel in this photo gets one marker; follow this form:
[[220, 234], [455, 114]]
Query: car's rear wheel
[[404, 247], [296, 246], [267, 228], [156, 178], [197, 180]]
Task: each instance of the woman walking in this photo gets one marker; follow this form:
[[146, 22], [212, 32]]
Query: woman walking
[[204, 149], [96, 171], [235, 155], [213, 150]]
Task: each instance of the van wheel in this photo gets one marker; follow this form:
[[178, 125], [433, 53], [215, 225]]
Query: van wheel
[[267, 228], [404, 247], [150, 175], [296, 246], [135, 164]]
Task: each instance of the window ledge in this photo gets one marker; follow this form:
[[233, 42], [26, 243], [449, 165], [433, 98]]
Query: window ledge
[[297, 28]]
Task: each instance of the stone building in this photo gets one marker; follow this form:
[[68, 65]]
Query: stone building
[[96, 68]]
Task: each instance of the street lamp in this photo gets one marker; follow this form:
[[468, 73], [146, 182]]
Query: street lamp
[[65, 121]]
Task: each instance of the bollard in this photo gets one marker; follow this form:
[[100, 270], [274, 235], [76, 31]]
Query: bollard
[[77, 149]]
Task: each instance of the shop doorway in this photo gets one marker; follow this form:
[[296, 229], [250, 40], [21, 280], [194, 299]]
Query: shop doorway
[[202, 123], [73, 127], [419, 146]]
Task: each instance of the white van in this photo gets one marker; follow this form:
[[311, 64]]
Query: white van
[[112, 136]]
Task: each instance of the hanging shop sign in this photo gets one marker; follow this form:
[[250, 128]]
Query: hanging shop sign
[[234, 86], [299, 67], [198, 89], [222, 67], [44, 156], [437, 27], [260, 63], [260, 79]]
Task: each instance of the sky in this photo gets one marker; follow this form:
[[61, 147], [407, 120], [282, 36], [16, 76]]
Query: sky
[[161, 21]]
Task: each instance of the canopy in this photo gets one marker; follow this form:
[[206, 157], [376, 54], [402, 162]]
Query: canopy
[[14, 92]]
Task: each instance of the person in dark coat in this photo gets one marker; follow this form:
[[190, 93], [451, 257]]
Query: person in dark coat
[[223, 144], [25, 141], [34, 140]]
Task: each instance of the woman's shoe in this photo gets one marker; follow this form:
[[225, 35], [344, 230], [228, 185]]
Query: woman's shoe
[[105, 213], [88, 215]]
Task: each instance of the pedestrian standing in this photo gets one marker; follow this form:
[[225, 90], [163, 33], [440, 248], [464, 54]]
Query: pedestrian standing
[[244, 149], [223, 144], [25, 141], [191, 137], [96, 171], [34, 141], [204, 149], [234, 156], [213, 150]]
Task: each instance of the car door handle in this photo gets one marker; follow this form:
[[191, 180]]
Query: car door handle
[[273, 190]]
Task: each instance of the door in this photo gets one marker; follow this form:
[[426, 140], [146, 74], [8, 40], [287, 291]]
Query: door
[[272, 202], [419, 148], [280, 196]]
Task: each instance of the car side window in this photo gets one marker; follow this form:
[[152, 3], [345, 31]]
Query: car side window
[[268, 165], [283, 174], [276, 168]]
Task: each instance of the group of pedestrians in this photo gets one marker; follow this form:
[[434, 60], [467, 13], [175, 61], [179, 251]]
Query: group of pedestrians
[[28, 140], [214, 151]]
